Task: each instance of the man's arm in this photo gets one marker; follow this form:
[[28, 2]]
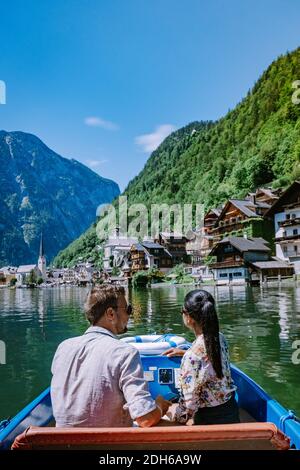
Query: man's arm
[[142, 408], [152, 418]]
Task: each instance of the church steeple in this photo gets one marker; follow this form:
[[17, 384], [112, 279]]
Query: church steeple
[[42, 259], [42, 246]]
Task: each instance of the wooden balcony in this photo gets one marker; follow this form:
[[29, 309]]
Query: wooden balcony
[[289, 222], [229, 226], [288, 238], [227, 264]]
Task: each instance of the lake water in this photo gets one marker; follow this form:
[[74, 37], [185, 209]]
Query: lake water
[[260, 325]]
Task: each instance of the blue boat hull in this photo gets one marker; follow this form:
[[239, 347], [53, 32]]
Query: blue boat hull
[[161, 374]]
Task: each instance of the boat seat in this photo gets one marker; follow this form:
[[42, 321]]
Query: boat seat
[[245, 417], [243, 436]]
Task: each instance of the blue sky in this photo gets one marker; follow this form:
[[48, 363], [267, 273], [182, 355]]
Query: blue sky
[[102, 81]]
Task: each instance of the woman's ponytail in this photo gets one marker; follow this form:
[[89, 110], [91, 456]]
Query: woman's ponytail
[[200, 305]]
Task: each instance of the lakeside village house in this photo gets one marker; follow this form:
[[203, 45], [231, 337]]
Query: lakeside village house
[[131, 255], [145, 255], [244, 241], [285, 213]]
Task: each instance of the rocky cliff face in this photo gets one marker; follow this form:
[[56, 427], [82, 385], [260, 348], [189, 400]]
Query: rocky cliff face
[[42, 191]]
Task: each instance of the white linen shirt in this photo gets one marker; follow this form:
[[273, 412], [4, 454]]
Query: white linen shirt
[[98, 382]]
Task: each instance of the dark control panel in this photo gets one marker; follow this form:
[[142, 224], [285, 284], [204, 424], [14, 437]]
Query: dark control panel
[[165, 376]]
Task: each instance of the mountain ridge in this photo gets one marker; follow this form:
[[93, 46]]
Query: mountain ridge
[[41, 191]]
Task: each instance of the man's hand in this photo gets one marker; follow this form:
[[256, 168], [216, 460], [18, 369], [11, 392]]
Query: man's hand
[[152, 418], [173, 352], [163, 404]]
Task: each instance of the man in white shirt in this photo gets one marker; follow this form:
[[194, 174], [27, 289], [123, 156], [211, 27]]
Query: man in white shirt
[[98, 379]]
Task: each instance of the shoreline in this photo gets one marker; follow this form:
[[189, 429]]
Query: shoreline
[[271, 283]]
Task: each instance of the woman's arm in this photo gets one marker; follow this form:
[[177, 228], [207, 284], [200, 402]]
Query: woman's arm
[[174, 352], [190, 375]]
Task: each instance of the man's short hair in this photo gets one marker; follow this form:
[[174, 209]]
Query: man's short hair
[[99, 299]]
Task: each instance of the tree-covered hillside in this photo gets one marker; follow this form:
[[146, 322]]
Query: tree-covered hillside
[[255, 144]]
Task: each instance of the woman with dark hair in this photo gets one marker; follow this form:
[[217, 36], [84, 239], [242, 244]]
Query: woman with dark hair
[[207, 389]]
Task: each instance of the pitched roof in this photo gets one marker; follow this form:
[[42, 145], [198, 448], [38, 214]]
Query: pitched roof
[[292, 191], [138, 246], [257, 203], [216, 210], [244, 244], [26, 268], [9, 269], [152, 245], [245, 206], [121, 241], [269, 192], [275, 263], [265, 205], [122, 247], [176, 235], [145, 246]]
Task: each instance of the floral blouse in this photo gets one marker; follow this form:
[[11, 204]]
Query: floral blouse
[[199, 385]]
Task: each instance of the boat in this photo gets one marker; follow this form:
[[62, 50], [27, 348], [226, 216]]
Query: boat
[[155, 345], [265, 424]]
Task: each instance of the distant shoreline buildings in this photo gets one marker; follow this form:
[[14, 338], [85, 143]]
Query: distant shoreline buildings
[[249, 240], [237, 243]]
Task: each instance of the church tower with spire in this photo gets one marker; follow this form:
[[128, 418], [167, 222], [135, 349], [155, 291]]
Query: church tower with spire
[[42, 259]]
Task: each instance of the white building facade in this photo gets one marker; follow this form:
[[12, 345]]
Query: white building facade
[[24, 271], [285, 213], [116, 251], [287, 236]]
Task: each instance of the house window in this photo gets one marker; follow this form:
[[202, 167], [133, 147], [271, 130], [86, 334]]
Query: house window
[[293, 216], [285, 249], [295, 248], [237, 274], [223, 274], [295, 231], [228, 249]]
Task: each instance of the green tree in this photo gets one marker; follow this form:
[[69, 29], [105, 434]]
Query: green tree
[[115, 271], [31, 278]]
